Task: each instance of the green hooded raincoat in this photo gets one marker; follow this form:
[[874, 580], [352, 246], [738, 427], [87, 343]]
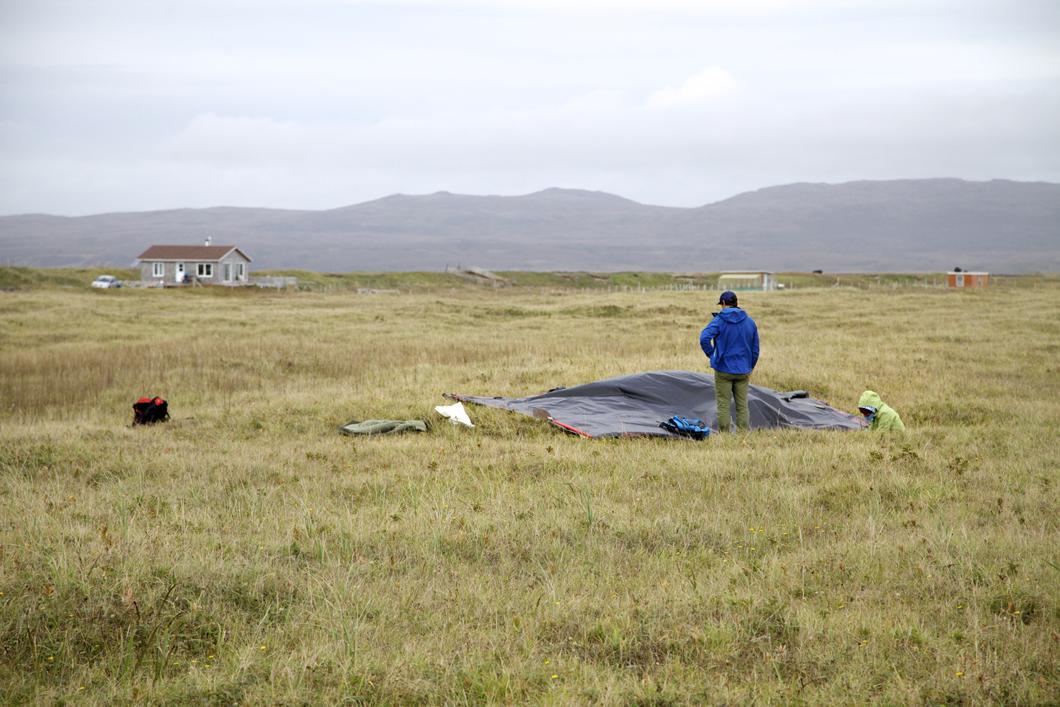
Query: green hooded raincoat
[[886, 419]]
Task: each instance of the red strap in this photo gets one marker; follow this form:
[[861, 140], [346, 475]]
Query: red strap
[[570, 428]]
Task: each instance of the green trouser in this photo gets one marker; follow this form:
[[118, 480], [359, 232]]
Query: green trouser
[[727, 385]]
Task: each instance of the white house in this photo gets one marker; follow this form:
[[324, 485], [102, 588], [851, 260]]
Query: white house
[[187, 264]]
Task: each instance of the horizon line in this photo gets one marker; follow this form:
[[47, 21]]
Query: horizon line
[[533, 193]]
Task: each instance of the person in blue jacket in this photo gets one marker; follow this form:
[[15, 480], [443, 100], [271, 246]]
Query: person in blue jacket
[[731, 342]]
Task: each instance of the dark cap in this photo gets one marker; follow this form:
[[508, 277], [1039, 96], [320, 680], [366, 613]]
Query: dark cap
[[728, 297]]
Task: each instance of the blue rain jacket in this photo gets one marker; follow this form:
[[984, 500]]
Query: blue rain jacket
[[731, 341]]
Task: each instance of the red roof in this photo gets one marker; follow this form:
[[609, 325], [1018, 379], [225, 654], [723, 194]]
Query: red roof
[[189, 252]]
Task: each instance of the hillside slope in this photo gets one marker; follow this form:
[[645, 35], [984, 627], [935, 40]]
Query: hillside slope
[[904, 225]]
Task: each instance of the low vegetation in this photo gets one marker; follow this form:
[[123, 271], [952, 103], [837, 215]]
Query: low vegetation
[[244, 552], [17, 278], [21, 278]]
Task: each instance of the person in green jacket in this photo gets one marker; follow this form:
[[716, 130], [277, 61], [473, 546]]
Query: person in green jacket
[[881, 416]]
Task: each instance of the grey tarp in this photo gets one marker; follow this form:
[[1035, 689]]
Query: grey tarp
[[382, 427], [635, 405]]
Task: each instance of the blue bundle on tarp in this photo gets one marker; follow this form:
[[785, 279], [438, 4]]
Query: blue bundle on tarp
[[694, 428]]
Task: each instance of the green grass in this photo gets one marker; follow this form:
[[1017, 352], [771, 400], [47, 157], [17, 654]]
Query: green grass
[[246, 553], [20, 278], [407, 281], [42, 278]]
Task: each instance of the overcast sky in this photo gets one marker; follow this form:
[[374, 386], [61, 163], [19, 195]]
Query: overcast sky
[[130, 105]]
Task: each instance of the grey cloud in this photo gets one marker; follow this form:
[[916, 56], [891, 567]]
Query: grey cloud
[[320, 104]]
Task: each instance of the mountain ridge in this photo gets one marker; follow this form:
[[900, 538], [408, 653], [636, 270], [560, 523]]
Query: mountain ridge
[[864, 225]]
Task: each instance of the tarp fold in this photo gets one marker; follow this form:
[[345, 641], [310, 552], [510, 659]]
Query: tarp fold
[[634, 405]]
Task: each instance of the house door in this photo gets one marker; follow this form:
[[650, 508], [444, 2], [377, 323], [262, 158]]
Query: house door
[[960, 280], [228, 272], [180, 272]]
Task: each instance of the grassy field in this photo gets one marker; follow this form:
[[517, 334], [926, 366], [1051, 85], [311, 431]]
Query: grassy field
[[21, 278], [245, 553]]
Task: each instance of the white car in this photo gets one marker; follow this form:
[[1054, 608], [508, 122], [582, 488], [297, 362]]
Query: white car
[[106, 282]]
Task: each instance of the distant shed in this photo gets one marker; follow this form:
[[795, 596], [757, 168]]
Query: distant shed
[[747, 280], [962, 279]]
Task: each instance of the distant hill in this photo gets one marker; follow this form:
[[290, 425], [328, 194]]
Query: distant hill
[[903, 225]]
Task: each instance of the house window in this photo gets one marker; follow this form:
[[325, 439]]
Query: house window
[[228, 272], [158, 269], [205, 270], [241, 271]]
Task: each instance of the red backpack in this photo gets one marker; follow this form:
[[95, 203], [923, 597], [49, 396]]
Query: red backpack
[[147, 411]]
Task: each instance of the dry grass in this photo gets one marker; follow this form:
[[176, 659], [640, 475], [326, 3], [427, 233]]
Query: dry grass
[[246, 553]]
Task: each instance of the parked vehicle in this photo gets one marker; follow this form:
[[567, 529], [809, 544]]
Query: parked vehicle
[[106, 282]]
